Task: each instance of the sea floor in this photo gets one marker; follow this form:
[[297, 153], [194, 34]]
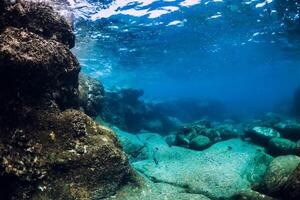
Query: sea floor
[[172, 172]]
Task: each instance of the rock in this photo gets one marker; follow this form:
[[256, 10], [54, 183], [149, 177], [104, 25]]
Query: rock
[[281, 146], [51, 68], [91, 95], [182, 140], [48, 151], [124, 109], [212, 134], [217, 172], [278, 173], [38, 18], [289, 129], [262, 134], [250, 195], [200, 142], [150, 190], [227, 131], [65, 153], [292, 187]]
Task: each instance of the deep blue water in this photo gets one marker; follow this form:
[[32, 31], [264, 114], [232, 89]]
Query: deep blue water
[[244, 53]]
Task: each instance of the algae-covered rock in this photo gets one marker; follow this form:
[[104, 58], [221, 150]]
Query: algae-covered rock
[[278, 173], [32, 68], [38, 18], [282, 146], [48, 151], [292, 187], [227, 131], [63, 153], [91, 95], [200, 142]]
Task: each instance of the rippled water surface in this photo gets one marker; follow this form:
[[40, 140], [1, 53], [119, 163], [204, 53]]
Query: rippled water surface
[[242, 52]]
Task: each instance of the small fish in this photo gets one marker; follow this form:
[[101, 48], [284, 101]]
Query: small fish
[[155, 161], [229, 147]]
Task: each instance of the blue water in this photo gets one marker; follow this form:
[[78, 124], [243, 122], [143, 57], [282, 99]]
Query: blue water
[[244, 53]]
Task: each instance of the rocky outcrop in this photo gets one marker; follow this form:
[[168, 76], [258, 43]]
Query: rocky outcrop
[[48, 150], [38, 18], [33, 69]]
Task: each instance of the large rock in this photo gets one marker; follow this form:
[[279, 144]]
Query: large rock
[[262, 135], [200, 142], [282, 146], [62, 155], [38, 18], [278, 173], [32, 68], [217, 172], [292, 187]]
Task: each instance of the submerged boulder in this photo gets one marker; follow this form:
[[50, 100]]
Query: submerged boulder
[[262, 135], [200, 142], [278, 173], [62, 155], [292, 186], [282, 146], [218, 172]]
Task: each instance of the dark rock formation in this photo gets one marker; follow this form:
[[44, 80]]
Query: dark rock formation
[[292, 186], [262, 135], [289, 129], [282, 146], [47, 150], [61, 155], [201, 134], [32, 69], [124, 109], [39, 18], [91, 95], [277, 174]]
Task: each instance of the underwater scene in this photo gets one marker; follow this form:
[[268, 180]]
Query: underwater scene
[[149, 100]]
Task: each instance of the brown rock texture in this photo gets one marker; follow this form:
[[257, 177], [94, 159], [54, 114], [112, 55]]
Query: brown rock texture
[[49, 150]]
